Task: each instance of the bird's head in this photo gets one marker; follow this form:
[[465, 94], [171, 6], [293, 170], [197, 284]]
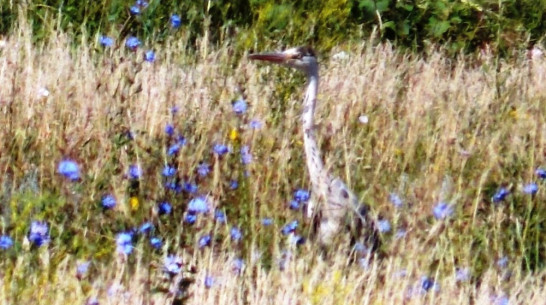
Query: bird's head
[[300, 58]]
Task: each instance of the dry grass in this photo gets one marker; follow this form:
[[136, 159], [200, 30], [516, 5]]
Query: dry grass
[[437, 130]]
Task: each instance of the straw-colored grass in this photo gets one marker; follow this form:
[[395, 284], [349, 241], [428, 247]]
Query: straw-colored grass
[[437, 129]]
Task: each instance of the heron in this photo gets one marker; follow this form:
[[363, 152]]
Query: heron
[[331, 200]]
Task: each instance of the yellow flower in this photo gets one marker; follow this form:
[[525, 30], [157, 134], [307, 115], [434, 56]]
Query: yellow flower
[[134, 203], [233, 134]]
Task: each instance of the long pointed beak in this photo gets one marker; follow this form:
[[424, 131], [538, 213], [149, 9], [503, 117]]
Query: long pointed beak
[[271, 57]]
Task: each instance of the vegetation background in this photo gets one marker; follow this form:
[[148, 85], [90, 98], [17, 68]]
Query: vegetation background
[[160, 166]]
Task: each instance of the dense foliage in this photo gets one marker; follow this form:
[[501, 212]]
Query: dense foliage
[[461, 25]]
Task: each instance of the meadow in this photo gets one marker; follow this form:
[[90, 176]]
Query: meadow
[[175, 178]]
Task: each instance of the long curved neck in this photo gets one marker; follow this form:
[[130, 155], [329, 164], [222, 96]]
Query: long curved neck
[[312, 152]]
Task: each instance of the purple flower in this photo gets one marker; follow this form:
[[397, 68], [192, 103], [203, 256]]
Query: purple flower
[[233, 185], [294, 205], [209, 281], [108, 202], [240, 106], [168, 171], [146, 228], [502, 262], [69, 169], [246, 156], [289, 227], [190, 188], [531, 188], [172, 265], [134, 172], [267, 221], [155, 242], [203, 169], [428, 283], [238, 265], [442, 210], [132, 43], [198, 205], [149, 56], [301, 195], [236, 234], [255, 124], [169, 130], [220, 149], [462, 274], [173, 149], [190, 218], [164, 208], [541, 173], [220, 216], [176, 21], [124, 243], [39, 233], [204, 241], [500, 195], [395, 200], [135, 10], [142, 3], [5, 242], [106, 41], [384, 226]]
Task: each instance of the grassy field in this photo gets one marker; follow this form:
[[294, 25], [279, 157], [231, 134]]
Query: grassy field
[[115, 172]]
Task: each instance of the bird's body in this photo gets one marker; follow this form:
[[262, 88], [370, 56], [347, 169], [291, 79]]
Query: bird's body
[[331, 199]]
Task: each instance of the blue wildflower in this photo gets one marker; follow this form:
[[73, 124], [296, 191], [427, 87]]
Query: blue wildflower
[[531, 188], [181, 140], [220, 149], [220, 216], [146, 228], [360, 248], [203, 169], [190, 218], [239, 106], [174, 110], [156, 242], [173, 186], [149, 56], [106, 41], [209, 281], [39, 233], [176, 21], [172, 264], [289, 227], [164, 208], [384, 226], [246, 156], [236, 234], [395, 200], [541, 173], [442, 210], [301, 195], [173, 149], [82, 268], [124, 243], [5, 242], [297, 240], [190, 188], [204, 241], [428, 283], [267, 221], [108, 202], [69, 169], [169, 130], [255, 124], [142, 3], [132, 43], [500, 195], [294, 205], [134, 172], [135, 10], [168, 171], [501, 300], [233, 185], [198, 205]]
